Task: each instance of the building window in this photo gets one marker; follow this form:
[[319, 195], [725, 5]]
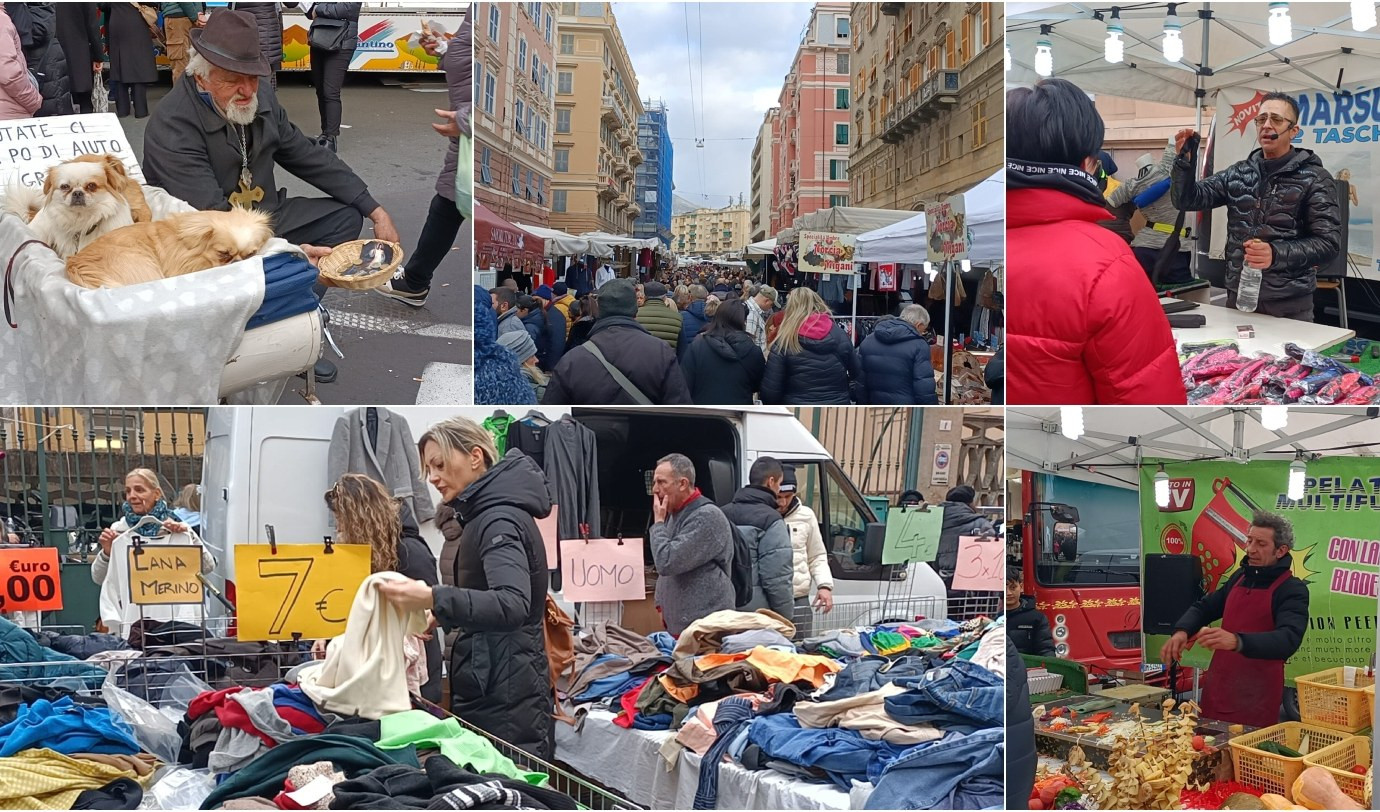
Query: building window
[[519, 114], [985, 10], [490, 88], [493, 22], [838, 169], [562, 160], [841, 27], [558, 200], [479, 80], [563, 120], [541, 136], [522, 54], [484, 174], [840, 98], [979, 125], [965, 48], [838, 200], [841, 134], [517, 180], [951, 49], [841, 64], [550, 29], [567, 43], [565, 82]]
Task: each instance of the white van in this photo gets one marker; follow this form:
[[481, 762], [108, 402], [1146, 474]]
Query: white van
[[266, 467]]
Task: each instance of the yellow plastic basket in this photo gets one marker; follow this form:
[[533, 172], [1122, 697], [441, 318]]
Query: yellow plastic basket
[[1273, 773], [1338, 759], [1325, 699]]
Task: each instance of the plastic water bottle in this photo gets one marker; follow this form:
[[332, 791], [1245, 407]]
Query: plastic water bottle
[[1248, 292]]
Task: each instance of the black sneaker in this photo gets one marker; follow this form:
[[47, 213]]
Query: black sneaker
[[398, 290], [327, 141]]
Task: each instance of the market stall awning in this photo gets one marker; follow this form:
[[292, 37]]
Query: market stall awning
[[985, 208], [847, 220], [561, 244], [760, 249], [612, 241], [497, 241]]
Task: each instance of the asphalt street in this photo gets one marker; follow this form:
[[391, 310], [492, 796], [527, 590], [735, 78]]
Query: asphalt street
[[394, 353]]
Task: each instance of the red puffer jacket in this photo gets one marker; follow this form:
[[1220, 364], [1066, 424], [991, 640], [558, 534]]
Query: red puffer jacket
[[1086, 326]]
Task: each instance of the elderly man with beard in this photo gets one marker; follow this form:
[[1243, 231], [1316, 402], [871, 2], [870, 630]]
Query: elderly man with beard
[[215, 139]]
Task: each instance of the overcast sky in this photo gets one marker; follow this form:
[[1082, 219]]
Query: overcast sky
[[748, 48]]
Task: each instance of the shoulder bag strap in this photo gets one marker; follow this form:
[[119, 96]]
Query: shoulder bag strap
[[618, 376]]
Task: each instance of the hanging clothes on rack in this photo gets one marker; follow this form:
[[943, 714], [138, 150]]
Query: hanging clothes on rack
[[528, 435], [572, 473], [497, 427], [378, 443]]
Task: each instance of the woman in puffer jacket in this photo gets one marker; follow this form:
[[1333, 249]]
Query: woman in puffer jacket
[[19, 96], [812, 361], [1088, 327]]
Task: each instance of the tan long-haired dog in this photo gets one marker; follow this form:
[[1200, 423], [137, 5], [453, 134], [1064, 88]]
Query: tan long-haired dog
[[82, 199], [177, 245]]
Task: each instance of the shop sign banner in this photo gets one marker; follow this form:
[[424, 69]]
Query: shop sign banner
[[387, 42], [603, 570], [947, 230], [1336, 543], [826, 252], [297, 589], [912, 534], [981, 564], [29, 147], [164, 574], [30, 580]]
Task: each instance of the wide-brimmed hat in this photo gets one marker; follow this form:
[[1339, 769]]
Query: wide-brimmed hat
[[230, 41]]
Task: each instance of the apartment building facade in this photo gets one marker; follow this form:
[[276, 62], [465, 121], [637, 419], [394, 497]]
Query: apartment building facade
[[597, 108], [928, 97], [711, 231], [654, 178], [514, 98], [763, 181]]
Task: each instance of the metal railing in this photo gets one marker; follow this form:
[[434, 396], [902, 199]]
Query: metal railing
[[854, 614]]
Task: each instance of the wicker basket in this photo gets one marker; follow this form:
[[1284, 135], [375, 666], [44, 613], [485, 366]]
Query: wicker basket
[[348, 264], [1325, 699], [1338, 759], [1272, 773]]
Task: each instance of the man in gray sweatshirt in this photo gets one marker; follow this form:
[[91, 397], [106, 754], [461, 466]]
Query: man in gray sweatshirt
[[692, 547]]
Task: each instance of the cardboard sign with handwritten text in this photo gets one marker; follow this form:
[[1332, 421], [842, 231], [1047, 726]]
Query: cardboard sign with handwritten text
[[301, 589], [603, 570], [981, 564], [162, 574], [912, 535], [29, 147]]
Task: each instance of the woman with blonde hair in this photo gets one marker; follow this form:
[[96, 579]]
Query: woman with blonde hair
[[811, 362], [110, 569], [366, 513], [494, 592]]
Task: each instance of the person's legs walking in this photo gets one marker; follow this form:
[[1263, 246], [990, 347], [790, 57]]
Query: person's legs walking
[[177, 30], [442, 225], [83, 102], [318, 81], [120, 92], [333, 65], [141, 99]]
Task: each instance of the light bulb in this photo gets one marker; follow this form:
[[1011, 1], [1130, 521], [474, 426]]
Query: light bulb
[[1113, 49], [1162, 488], [1298, 472], [1071, 421], [1008, 58], [1044, 58], [965, 265], [1274, 418], [1281, 27], [1362, 15], [929, 271]]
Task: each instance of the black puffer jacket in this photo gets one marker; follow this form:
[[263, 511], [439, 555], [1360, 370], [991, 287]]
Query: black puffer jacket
[[270, 22], [896, 368], [723, 368], [37, 25], [824, 373], [1295, 210], [1288, 607], [959, 520], [647, 361], [495, 597], [1028, 628], [1021, 760]]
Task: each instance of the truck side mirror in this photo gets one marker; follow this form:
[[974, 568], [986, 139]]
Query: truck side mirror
[[873, 538], [1064, 513]]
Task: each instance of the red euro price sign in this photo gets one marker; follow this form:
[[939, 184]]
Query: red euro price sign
[[30, 580]]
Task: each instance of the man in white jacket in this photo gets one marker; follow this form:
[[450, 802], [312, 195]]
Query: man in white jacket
[[811, 559]]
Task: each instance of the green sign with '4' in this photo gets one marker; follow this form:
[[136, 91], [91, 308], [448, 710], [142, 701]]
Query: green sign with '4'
[[912, 534], [1336, 550]]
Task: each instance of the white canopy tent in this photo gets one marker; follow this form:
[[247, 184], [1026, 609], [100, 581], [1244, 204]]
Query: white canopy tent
[[561, 244], [985, 210], [765, 248], [843, 220], [611, 241]]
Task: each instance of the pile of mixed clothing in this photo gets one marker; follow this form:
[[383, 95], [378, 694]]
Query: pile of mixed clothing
[[915, 709], [1219, 375]]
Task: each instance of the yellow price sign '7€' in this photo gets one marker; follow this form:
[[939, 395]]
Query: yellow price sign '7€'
[[296, 589]]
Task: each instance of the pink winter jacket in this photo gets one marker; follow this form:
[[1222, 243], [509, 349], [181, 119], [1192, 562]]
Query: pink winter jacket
[[19, 98]]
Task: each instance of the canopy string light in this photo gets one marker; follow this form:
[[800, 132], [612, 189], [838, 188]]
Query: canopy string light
[[1173, 43], [1114, 49]]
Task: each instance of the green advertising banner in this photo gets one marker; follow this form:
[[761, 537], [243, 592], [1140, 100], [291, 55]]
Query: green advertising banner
[[1336, 543]]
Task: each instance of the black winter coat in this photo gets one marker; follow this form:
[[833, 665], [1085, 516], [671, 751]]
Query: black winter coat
[[692, 323], [723, 369], [79, 31], [896, 368], [416, 562], [496, 598], [349, 12], [1021, 760], [555, 338], [1289, 608], [1028, 628], [535, 322], [37, 26], [824, 373], [270, 22], [131, 48], [1295, 210], [994, 374], [647, 361], [959, 520]]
